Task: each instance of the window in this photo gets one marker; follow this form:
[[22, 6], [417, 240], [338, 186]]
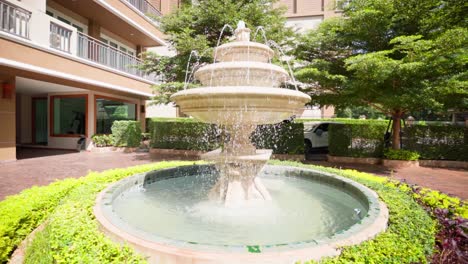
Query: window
[[50, 13], [69, 115], [64, 20], [109, 110]]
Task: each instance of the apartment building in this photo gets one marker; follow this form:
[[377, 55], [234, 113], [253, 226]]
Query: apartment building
[[69, 68], [304, 15]]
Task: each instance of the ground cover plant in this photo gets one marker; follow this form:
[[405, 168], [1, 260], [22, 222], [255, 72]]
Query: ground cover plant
[[71, 234]]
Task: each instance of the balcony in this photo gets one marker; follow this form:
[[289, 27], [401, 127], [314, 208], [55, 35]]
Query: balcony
[[14, 19], [43, 30], [146, 8]]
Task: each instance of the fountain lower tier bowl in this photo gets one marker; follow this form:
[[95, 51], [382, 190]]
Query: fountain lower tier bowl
[[239, 73], [167, 216], [233, 105]]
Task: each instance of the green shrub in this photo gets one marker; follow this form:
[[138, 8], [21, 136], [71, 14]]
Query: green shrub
[[409, 237], [71, 234], [356, 140], [126, 133], [183, 133], [22, 213], [400, 154], [102, 140], [282, 138], [343, 120], [187, 133], [437, 142]]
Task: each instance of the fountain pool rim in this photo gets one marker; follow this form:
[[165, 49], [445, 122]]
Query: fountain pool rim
[[370, 225]]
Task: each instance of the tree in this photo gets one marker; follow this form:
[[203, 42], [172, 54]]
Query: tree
[[391, 55], [198, 27]]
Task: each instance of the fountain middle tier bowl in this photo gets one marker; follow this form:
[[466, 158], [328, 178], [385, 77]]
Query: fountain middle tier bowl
[[233, 105], [239, 73]]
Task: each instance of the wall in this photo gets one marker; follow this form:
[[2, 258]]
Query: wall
[[38, 5], [8, 123], [168, 110]]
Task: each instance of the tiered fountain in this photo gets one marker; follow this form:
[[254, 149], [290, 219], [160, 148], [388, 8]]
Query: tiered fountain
[[239, 92], [239, 210]]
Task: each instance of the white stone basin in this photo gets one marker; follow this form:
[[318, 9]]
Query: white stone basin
[[232, 105], [244, 51], [241, 73]]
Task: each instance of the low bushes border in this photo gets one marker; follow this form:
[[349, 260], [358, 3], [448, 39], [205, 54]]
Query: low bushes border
[[72, 236]]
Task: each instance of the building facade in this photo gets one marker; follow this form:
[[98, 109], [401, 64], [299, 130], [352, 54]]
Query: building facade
[[69, 68]]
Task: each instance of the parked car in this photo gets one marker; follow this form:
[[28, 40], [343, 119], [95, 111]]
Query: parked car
[[316, 135]]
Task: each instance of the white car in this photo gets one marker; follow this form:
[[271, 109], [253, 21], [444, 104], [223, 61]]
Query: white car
[[316, 135]]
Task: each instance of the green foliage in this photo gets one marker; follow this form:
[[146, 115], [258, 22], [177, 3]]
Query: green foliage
[[185, 133], [20, 214], [437, 142], [343, 120], [409, 237], [283, 138], [72, 235], [102, 140], [182, 133], [126, 133], [400, 154], [356, 139], [397, 56]]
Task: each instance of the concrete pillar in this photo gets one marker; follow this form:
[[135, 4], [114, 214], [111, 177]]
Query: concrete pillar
[[7, 120]]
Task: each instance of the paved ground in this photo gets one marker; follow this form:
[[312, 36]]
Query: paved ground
[[32, 170]]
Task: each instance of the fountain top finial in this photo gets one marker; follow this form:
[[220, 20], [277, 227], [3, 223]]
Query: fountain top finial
[[242, 33]]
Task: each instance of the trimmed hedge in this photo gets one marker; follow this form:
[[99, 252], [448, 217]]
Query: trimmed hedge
[[437, 142], [400, 154], [102, 140], [71, 234], [126, 133], [183, 133], [282, 138], [356, 140], [187, 133], [367, 140]]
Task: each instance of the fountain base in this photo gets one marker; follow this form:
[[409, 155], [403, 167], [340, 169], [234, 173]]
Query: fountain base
[[238, 184]]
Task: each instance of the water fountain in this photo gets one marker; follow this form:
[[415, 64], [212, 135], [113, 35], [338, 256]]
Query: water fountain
[[239, 210], [239, 92]]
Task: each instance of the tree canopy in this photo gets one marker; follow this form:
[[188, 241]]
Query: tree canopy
[[397, 56], [197, 26]]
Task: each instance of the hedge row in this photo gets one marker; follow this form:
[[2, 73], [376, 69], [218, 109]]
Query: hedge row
[[185, 133], [126, 133], [437, 142], [367, 140], [356, 140]]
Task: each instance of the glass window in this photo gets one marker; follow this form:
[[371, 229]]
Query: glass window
[[108, 111], [63, 20], [50, 13], [78, 28], [69, 115]]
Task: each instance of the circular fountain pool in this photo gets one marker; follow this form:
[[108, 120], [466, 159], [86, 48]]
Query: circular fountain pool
[[310, 214]]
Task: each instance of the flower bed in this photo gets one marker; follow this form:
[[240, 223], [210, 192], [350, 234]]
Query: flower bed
[[71, 234]]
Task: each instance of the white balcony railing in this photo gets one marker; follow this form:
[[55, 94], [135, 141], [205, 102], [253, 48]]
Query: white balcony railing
[[92, 49], [60, 37], [47, 31], [146, 8], [14, 19]]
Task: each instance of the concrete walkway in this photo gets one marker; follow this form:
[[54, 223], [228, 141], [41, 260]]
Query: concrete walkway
[[54, 165]]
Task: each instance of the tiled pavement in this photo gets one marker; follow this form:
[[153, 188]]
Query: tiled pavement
[[24, 173]]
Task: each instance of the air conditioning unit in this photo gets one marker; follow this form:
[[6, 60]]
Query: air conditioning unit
[[55, 41]]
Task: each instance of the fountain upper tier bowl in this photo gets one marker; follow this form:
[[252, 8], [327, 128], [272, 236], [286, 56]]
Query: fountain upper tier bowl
[[244, 51], [230, 105], [237, 73]]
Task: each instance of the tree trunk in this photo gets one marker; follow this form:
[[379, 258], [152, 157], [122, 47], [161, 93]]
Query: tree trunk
[[396, 129]]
